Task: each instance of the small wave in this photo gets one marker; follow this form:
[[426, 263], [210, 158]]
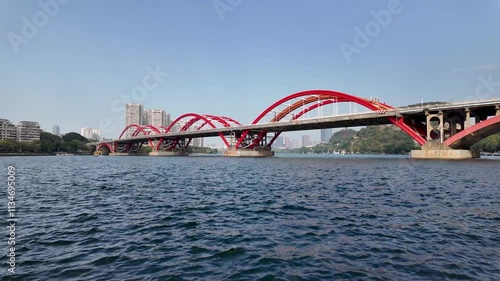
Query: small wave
[[60, 242], [296, 208], [232, 252], [105, 260], [84, 217]]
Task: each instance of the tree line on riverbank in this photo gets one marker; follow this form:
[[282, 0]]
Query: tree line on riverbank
[[48, 143], [490, 144], [69, 143], [384, 139], [369, 140]]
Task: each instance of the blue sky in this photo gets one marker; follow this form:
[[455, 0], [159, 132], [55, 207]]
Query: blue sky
[[75, 68]]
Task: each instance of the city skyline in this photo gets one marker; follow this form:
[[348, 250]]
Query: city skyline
[[174, 67]]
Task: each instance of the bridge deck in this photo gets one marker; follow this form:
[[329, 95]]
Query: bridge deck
[[341, 121]]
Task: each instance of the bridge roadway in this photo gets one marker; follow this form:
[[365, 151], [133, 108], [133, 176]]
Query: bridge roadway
[[340, 121], [351, 120]]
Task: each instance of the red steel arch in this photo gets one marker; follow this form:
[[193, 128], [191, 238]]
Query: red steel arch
[[227, 119], [111, 150], [197, 117], [297, 116], [315, 96], [143, 129], [466, 138], [139, 128]]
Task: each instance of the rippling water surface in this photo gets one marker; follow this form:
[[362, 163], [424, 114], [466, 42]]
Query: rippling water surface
[[282, 218]]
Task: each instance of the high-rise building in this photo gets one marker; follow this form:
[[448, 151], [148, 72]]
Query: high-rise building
[[28, 131], [134, 114], [306, 140], [91, 134], [56, 130], [288, 143], [87, 132], [198, 142], [169, 121], [156, 117], [326, 134], [279, 142], [8, 131], [96, 134]]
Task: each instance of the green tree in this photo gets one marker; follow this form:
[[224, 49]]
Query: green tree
[[341, 140], [489, 144], [9, 146], [50, 143], [74, 136]]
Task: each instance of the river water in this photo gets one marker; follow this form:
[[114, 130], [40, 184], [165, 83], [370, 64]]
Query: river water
[[282, 218]]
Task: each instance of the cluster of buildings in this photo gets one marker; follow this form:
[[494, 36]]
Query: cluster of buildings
[[24, 131], [91, 134], [135, 114], [291, 143]]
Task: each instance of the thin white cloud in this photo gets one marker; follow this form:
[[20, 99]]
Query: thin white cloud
[[481, 68]]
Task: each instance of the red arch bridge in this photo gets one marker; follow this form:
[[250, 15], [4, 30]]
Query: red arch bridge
[[445, 130]]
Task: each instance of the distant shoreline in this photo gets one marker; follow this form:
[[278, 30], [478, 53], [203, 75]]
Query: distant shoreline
[[40, 154]]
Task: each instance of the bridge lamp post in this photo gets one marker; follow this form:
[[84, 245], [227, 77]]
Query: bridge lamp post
[[320, 108], [303, 106], [275, 113], [335, 108]]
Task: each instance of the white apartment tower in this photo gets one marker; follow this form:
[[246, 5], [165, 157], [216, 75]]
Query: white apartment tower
[[91, 134], [156, 117], [7, 130], [134, 114], [86, 133], [28, 131]]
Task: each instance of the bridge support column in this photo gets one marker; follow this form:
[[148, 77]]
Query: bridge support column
[[467, 118], [436, 150], [242, 152], [435, 124], [497, 107]]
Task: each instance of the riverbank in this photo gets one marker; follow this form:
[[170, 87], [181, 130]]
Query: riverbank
[[41, 154], [26, 154]]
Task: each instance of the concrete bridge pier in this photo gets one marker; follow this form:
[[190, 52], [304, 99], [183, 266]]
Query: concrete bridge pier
[[437, 150], [243, 152]]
